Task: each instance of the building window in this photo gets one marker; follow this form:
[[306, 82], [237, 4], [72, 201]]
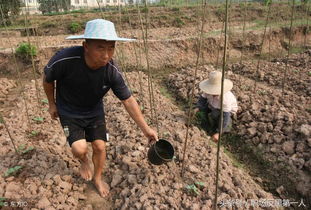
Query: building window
[[85, 1], [115, 1], [30, 1], [108, 1], [100, 1], [77, 2]]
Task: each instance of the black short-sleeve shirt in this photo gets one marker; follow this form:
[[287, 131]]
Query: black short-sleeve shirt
[[79, 89]]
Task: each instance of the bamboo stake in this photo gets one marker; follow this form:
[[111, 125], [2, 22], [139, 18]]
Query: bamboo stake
[[138, 65], [32, 60], [144, 42], [289, 47], [9, 133], [121, 56], [148, 65], [189, 114], [229, 31], [269, 53], [146, 51], [243, 33], [261, 47], [19, 80], [101, 11], [221, 107], [220, 41], [307, 27]]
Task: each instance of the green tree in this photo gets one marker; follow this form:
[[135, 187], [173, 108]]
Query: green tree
[[9, 9], [48, 6]]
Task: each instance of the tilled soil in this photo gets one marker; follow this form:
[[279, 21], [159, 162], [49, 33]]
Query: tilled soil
[[49, 176], [295, 74], [276, 125]]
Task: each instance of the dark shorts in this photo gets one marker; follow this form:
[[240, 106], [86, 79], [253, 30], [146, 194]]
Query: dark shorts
[[89, 129]]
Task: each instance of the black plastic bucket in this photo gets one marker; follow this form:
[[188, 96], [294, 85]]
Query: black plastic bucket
[[161, 152]]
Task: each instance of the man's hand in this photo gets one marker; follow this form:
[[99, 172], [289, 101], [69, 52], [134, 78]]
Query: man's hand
[[53, 111], [215, 137], [151, 135]]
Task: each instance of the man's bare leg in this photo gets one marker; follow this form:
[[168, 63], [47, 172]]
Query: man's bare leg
[[99, 159], [79, 150]]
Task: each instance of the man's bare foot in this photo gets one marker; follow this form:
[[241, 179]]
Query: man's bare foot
[[85, 171], [101, 187]]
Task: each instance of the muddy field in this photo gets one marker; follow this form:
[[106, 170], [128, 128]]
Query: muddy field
[[265, 163]]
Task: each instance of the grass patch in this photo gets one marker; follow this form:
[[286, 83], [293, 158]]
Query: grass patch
[[260, 24], [164, 91], [294, 50]]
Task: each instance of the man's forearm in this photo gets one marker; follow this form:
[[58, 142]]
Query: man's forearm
[[49, 91], [133, 109]]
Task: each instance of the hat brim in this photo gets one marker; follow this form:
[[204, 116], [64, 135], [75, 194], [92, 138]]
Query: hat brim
[[213, 89], [73, 37]]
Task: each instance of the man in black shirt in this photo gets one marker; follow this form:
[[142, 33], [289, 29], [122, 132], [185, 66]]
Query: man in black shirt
[[83, 76]]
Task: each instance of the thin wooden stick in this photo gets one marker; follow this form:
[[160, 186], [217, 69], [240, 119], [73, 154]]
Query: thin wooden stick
[[8, 131], [261, 47], [32, 60], [19, 80], [289, 47], [200, 38], [221, 107]]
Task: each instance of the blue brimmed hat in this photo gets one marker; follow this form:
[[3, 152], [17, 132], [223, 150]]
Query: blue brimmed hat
[[100, 29]]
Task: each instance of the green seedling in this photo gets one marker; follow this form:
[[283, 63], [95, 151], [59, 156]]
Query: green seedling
[[262, 92], [28, 150], [33, 133], [296, 71], [192, 189], [12, 171], [45, 101], [38, 119], [200, 185], [309, 73], [23, 150], [2, 200]]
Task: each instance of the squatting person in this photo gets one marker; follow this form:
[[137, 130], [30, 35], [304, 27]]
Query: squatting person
[[209, 103], [83, 75]]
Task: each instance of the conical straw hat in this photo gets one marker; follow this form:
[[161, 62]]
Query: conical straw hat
[[212, 85]]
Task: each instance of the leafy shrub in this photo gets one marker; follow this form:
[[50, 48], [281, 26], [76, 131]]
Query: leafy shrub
[[26, 51], [75, 27]]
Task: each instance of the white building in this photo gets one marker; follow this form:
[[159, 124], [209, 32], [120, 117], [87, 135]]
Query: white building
[[33, 6], [94, 3]]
